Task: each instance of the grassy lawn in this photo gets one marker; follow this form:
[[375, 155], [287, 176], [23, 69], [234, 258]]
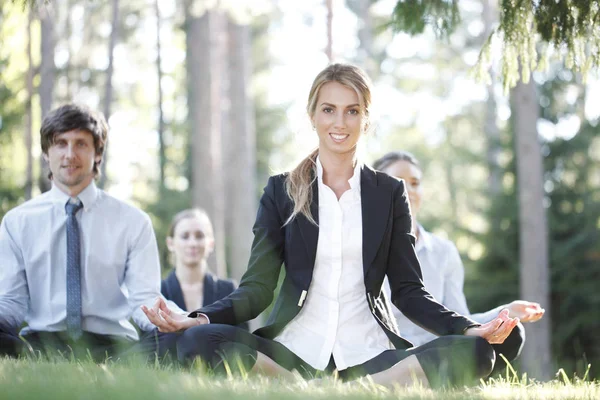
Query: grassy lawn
[[24, 379]]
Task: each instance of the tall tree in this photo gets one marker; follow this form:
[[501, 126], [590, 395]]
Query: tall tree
[[241, 156], [47, 74], [492, 132], [329, 46], [574, 252], [365, 53], [161, 117], [108, 86], [572, 211], [204, 33], [533, 227], [268, 118], [28, 132], [68, 34]]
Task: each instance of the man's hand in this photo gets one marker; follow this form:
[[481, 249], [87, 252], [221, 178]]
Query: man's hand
[[526, 311], [497, 330], [169, 321]]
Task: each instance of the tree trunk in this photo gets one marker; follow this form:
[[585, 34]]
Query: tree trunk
[[161, 118], [68, 35], [240, 151], [47, 75], [329, 48], [228, 137], [365, 37], [490, 127], [533, 230], [204, 66], [108, 91], [29, 112]]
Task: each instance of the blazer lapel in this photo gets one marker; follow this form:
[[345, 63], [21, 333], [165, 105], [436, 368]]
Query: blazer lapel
[[310, 231], [174, 288], [209, 290], [376, 208]]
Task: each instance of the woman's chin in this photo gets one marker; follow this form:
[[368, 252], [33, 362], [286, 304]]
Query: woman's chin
[[192, 262]]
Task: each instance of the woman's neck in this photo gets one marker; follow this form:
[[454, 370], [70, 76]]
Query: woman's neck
[[191, 273], [337, 167]]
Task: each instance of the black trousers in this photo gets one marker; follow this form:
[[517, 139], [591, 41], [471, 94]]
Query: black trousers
[[152, 344], [510, 349], [447, 361]]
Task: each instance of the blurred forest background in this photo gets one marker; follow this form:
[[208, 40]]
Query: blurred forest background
[[205, 100]]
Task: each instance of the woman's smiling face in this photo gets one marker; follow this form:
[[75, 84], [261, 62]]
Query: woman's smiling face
[[338, 118]]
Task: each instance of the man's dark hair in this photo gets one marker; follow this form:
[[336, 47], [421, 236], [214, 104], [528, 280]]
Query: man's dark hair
[[75, 117]]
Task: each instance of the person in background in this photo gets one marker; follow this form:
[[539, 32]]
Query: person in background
[[443, 271], [339, 228], [77, 263], [190, 240]]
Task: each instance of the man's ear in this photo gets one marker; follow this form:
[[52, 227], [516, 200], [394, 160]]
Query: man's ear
[[45, 156], [98, 159]]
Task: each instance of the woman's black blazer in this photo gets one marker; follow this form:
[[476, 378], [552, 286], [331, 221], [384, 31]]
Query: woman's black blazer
[[213, 289], [388, 248]]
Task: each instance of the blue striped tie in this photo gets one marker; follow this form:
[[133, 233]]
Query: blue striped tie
[[73, 272]]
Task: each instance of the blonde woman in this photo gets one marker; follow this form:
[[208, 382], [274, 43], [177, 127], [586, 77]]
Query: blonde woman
[[339, 228]]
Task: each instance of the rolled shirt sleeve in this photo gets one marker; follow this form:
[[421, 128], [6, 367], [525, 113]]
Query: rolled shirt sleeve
[[142, 275]]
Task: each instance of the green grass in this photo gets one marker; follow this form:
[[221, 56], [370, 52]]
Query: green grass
[[63, 379]]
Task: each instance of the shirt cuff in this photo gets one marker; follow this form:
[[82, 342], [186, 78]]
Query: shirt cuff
[[465, 330], [203, 315]]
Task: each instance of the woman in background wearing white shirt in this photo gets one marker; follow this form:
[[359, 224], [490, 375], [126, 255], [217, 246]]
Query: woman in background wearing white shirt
[[339, 228], [443, 271]]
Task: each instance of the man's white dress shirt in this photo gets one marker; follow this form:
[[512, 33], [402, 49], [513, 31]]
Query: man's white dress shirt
[[443, 277], [336, 319], [120, 267]]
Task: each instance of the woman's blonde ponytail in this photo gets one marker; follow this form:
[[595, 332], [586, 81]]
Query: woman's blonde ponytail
[[298, 186]]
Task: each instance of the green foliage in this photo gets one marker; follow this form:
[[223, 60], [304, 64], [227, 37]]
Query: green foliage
[[412, 16], [11, 115], [10, 197], [574, 236], [268, 120], [569, 26], [531, 32], [572, 190], [495, 279], [27, 3]]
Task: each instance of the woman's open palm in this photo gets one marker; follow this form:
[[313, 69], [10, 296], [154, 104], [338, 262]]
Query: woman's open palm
[[497, 330]]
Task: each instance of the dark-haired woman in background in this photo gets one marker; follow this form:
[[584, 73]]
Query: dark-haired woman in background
[[191, 285], [443, 271]]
